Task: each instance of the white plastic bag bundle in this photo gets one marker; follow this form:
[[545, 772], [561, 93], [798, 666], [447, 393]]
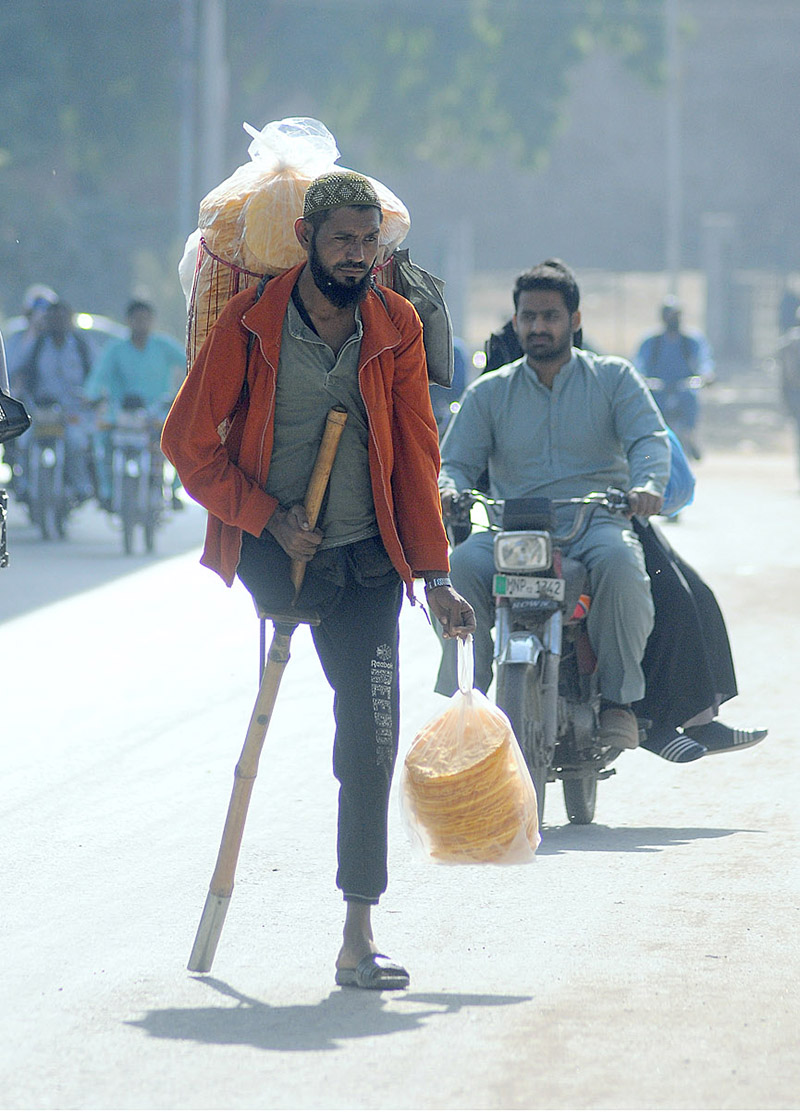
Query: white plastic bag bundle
[[249, 218], [246, 223], [465, 792]]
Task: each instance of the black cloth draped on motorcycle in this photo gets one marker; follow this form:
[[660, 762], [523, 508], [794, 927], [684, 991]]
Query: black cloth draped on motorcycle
[[687, 663]]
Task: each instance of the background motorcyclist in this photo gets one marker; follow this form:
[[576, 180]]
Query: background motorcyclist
[[676, 364], [146, 365], [558, 423], [54, 371], [19, 344]]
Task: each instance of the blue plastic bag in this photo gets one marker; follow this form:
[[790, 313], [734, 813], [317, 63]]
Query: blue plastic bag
[[680, 487]]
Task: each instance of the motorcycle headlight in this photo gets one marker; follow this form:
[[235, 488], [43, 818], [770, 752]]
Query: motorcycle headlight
[[528, 551]]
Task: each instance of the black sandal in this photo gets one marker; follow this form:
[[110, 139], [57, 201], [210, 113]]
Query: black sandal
[[375, 971]]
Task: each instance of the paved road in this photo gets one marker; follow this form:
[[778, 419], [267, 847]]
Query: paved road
[[648, 961]]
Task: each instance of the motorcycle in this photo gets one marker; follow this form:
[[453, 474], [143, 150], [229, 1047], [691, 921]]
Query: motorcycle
[[546, 681], [679, 403], [43, 470], [136, 472]]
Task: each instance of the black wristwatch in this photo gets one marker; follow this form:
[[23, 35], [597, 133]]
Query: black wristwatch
[[437, 581]]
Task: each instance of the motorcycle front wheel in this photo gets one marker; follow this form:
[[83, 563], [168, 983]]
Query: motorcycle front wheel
[[150, 533], [519, 694], [155, 503], [48, 513], [129, 511], [580, 797]]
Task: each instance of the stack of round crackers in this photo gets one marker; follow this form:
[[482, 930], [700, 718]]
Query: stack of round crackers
[[464, 787], [249, 218], [247, 228]]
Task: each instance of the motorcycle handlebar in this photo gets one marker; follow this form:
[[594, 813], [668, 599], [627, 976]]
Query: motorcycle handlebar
[[612, 499], [690, 382]]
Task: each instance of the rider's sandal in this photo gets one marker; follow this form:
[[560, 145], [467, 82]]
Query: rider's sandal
[[672, 745]]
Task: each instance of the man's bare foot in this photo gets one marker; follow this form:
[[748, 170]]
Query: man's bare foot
[[360, 964], [357, 936]]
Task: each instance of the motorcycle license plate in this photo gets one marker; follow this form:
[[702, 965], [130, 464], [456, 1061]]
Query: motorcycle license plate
[[529, 586]]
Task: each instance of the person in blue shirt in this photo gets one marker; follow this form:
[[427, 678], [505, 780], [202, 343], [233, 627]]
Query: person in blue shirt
[[146, 365], [19, 343], [54, 372], [676, 363]]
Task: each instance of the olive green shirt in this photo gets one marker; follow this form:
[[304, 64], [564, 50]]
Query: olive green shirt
[[310, 381]]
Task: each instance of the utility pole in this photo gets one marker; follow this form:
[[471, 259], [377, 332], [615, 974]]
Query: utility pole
[[674, 152], [214, 95], [187, 201]]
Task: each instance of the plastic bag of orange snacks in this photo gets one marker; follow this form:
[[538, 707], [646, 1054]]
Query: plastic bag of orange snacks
[[465, 792]]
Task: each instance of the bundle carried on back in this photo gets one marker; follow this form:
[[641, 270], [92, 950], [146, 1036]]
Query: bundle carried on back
[[246, 224]]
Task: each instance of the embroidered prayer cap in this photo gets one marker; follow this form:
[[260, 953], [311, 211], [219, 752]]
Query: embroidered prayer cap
[[338, 189]]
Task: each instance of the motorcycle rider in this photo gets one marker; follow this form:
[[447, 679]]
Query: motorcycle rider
[[18, 345], [18, 349], [54, 372], [672, 358], [146, 365], [688, 663], [558, 423]]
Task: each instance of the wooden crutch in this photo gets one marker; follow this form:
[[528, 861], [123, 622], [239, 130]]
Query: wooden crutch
[[221, 886]]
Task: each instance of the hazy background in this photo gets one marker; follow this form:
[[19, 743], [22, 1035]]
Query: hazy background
[[652, 144]]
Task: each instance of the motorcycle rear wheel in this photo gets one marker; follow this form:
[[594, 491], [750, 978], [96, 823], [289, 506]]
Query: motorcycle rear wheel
[[519, 694], [580, 797]]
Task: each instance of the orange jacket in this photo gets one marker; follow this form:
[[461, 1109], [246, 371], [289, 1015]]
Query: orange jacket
[[223, 458]]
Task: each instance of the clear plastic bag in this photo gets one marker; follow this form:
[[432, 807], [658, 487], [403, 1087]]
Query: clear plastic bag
[[465, 792], [246, 223]]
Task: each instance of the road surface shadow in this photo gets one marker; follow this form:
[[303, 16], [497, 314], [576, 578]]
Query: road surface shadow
[[344, 1014], [594, 838]]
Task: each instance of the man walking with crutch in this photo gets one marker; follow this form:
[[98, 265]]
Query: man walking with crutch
[[243, 435]]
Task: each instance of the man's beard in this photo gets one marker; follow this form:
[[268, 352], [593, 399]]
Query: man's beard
[[341, 294], [551, 350]]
